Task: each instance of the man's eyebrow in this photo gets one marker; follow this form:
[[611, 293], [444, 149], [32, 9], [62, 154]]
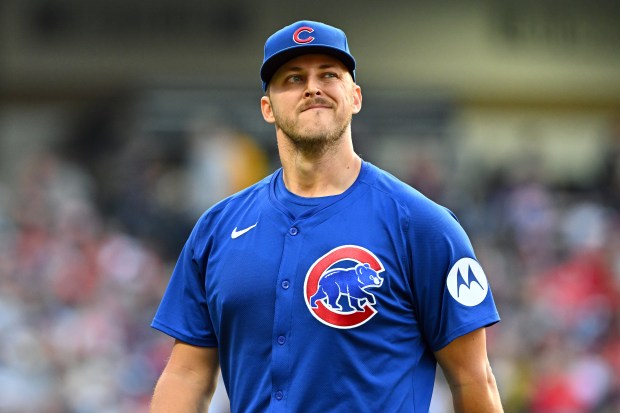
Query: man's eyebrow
[[293, 69], [299, 68]]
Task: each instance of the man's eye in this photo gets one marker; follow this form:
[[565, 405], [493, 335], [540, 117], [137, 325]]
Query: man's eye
[[294, 78], [330, 75]]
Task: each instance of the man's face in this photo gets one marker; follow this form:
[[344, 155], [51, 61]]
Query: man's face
[[311, 99]]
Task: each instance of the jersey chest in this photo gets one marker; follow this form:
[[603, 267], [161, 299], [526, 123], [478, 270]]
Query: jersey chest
[[339, 271]]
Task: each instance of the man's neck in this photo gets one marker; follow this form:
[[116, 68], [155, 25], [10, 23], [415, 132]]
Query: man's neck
[[314, 175]]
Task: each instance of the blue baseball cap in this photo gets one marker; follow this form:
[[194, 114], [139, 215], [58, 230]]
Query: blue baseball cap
[[304, 37]]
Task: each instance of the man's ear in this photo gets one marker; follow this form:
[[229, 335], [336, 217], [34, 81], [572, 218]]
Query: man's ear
[[357, 99], [267, 110]]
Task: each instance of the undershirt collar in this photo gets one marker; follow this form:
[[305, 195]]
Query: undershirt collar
[[296, 204]]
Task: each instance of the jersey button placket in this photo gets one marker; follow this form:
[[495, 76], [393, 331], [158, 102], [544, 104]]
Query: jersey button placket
[[280, 357]]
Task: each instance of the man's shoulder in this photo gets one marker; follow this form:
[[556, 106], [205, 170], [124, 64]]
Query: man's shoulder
[[392, 187], [420, 209]]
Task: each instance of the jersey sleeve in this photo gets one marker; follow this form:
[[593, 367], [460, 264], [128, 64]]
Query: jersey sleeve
[[452, 296], [183, 312]]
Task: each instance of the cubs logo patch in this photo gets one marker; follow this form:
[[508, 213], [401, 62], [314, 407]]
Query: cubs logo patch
[[336, 289]]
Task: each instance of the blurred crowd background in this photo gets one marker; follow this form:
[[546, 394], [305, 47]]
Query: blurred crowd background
[[121, 122]]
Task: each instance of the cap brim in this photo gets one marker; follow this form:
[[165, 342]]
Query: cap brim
[[271, 66]]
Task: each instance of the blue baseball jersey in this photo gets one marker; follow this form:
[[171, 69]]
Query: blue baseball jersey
[[332, 307]]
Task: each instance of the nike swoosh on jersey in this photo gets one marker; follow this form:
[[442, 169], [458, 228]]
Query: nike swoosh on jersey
[[236, 234]]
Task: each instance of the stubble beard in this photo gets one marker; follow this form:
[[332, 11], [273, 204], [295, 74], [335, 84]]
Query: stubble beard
[[309, 141]]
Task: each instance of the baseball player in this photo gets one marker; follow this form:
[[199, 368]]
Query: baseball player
[[330, 285]]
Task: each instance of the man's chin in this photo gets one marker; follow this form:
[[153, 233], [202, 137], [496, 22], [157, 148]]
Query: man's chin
[[317, 134]]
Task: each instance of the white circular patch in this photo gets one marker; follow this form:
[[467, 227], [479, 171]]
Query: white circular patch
[[467, 283]]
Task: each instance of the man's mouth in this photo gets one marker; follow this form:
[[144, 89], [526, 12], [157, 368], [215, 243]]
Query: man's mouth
[[316, 105]]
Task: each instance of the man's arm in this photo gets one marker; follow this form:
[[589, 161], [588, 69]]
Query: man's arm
[[188, 380], [466, 366]]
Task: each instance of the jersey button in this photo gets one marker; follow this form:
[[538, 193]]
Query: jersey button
[[285, 284], [281, 340], [293, 231], [279, 395]]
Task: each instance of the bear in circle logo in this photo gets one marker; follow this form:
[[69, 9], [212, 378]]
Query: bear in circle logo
[[338, 286]]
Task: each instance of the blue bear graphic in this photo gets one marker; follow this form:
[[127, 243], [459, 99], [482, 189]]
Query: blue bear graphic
[[349, 282]]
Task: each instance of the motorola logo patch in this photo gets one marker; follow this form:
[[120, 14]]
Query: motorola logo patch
[[467, 283]]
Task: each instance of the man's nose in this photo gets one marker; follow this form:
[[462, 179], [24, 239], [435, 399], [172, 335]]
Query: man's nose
[[312, 87]]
